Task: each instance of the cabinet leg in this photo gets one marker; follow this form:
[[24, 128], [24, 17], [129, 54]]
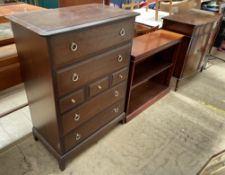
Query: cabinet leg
[[62, 165], [177, 84], [34, 136]]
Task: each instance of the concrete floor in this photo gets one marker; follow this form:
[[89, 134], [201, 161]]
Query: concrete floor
[[175, 136]]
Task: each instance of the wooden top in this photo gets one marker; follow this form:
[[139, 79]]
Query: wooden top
[[151, 43], [193, 17], [53, 21], [11, 8]]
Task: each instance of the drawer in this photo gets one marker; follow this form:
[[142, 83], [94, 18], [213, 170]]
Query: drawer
[[178, 27], [119, 76], [92, 107], [98, 87], [77, 75], [71, 100], [88, 128], [74, 46]]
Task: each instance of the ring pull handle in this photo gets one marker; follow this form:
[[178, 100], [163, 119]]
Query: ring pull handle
[[122, 32], [120, 76], [75, 77], [119, 58], [116, 93], [73, 100], [73, 47], [116, 110], [76, 117], [78, 136], [99, 87]]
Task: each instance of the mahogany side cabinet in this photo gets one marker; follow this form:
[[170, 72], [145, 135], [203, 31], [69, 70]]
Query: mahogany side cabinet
[[74, 63], [153, 57], [197, 26]]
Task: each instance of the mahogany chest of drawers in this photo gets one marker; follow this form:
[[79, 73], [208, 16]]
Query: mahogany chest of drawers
[[75, 66]]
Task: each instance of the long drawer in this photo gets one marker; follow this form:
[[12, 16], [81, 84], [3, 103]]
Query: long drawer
[[73, 46], [87, 129], [86, 111], [75, 76]]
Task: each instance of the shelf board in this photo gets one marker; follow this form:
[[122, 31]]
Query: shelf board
[[144, 73], [144, 95]]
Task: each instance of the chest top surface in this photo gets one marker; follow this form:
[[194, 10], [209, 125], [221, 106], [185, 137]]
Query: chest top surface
[[152, 42], [193, 17], [53, 21]]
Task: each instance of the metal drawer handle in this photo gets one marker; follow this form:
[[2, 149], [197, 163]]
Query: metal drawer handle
[[120, 58], [121, 76], [116, 110], [99, 87], [122, 32], [78, 136], [77, 117], [75, 77], [73, 47], [116, 93], [73, 101]]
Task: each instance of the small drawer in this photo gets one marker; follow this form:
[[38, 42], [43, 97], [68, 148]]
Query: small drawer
[[77, 75], [87, 129], [74, 46], [119, 76], [71, 100], [88, 110], [98, 87]]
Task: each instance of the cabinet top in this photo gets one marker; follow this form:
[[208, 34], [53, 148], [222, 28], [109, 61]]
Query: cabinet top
[[152, 43], [193, 17], [54, 21]]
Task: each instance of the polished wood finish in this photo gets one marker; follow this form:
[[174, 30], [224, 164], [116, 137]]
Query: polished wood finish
[[9, 67], [153, 58], [10, 74], [76, 100], [141, 29], [197, 26], [65, 3], [12, 8]]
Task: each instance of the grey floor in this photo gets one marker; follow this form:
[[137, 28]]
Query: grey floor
[[175, 136]]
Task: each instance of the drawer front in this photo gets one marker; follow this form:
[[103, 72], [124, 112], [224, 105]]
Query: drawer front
[[119, 76], [73, 46], [87, 129], [71, 100], [98, 87], [178, 27], [74, 77], [88, 110]]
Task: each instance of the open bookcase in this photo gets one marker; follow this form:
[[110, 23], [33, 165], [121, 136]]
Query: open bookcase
[[152, 62]]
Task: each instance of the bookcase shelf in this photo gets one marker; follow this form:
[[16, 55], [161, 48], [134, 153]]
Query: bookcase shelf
[[152, 62]]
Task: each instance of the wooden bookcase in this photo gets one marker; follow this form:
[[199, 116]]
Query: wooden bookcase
[[152, 63]]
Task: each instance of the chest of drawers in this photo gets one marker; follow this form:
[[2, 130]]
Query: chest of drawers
[[75, 65]]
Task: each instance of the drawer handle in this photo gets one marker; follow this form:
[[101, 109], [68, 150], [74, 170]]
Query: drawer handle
[[121, 76], [73, 47], [116, 93], [77, 117], [78, 136], [75, 77], [120, 58], [99, 87], [122, 32], [116, 110], [73, 101]]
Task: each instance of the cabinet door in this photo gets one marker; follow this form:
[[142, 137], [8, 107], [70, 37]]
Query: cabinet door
[[196, 53]]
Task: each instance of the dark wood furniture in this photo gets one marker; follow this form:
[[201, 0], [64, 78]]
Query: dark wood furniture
[[153, 58], [75, 72], [65, 3], [9, 63], [141, 29], [197, 26]]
